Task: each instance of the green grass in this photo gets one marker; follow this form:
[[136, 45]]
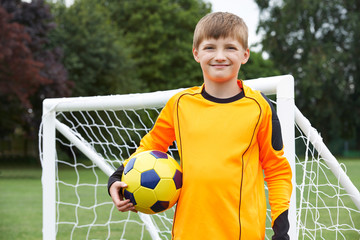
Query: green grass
[[330, 216], [21, 206]]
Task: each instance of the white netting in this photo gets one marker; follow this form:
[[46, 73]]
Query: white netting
[[324, 209], [84, 209]]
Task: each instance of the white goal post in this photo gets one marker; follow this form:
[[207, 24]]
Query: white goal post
[[83, 140]]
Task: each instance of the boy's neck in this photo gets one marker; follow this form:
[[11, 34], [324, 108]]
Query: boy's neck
[[223, 89]]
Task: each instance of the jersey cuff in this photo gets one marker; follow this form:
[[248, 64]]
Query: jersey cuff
[[281, 227], [116, 176]]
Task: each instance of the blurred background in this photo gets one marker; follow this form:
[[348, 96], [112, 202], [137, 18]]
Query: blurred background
[[99, 47]]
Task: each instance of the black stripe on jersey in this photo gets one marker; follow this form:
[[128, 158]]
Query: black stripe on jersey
[[276, 136], [178, 120], [242, 157], [207, 96], [179, 144]]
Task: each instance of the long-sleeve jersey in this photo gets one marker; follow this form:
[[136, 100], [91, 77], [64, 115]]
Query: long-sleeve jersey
[[227, 148]]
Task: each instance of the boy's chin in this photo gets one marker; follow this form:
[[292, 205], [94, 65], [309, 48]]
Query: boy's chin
[[222, 79]]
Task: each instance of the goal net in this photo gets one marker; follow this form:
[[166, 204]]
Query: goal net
[[83, 140]]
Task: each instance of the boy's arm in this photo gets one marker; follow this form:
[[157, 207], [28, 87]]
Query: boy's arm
[[281, 227], [116, 176], [162, 135], [159, 138], [277, 171], [114, 189]]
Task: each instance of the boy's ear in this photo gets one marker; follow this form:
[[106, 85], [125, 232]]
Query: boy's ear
[[246, 56], [196, 54]]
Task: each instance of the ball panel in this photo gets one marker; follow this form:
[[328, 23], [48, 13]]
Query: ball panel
[[149, 179], [165, 190], [175, 198], [130, 196], [129, 165], [145, 197], [158, 154], [178, 179], [144, 162], [160, 206], [132, 179], [165, 168], [144, 210], [175, 164]]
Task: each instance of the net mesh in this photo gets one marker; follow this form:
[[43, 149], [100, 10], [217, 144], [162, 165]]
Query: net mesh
[[324, 209], [84, 209]]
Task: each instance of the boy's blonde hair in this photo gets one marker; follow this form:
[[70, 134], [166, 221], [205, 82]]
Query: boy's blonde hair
[[221, 25]]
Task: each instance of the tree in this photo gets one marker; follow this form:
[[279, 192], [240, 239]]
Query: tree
[[94, 54], [317, 41], [159, 34], [20, 75], [38, 22], [258, 67], [30, 69]]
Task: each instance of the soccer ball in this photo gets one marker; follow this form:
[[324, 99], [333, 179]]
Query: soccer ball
[[154, 181]]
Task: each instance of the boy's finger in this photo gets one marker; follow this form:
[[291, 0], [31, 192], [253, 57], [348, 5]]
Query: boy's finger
[[122, 185], [125, 206], [116, 187]]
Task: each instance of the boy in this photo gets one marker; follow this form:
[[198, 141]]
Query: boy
[[227, 135]]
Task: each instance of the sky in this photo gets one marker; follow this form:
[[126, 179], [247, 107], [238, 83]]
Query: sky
[[246, 9]]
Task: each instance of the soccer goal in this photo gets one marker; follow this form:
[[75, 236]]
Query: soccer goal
[[83, 140]]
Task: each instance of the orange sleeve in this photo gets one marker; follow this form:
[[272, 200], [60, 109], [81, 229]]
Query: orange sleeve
[[162, 135], [276, 167]]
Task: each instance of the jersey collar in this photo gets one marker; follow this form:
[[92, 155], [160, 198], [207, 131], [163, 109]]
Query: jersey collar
[[223, 100]]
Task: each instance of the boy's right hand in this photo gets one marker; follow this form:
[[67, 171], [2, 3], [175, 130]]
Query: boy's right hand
[[122, 204]]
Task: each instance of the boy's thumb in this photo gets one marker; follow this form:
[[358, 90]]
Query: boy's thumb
[[123, 185]]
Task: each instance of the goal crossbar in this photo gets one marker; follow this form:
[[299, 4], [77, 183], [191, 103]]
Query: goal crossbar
[[156, 99]]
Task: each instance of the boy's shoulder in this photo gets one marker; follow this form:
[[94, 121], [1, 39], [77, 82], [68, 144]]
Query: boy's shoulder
[[186, 91], [257, 95], [249, 92], [190, 91]]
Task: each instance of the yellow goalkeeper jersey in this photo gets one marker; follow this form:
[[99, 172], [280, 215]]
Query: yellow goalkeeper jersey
[[227, 148]]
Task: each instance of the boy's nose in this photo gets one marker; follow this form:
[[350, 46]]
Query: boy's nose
[[220, 56]]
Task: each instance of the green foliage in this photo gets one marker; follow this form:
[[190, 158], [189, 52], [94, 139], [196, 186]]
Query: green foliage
[[125, 46], [257, 67], [29, 69], [19, 73], [159, 34], [96, 48], [318, 42], [94, 51]]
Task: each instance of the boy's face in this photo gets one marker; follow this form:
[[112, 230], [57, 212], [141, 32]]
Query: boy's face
[[220, 59]]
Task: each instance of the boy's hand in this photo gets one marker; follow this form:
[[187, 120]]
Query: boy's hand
[[123, 205]]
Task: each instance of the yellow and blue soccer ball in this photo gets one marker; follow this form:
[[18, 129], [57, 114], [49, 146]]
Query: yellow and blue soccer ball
[[154, 181]]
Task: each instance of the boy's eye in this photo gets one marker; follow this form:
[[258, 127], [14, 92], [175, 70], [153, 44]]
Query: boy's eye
[[208, 47]]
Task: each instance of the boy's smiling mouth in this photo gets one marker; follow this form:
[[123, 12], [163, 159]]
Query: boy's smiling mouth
[[219, 65]]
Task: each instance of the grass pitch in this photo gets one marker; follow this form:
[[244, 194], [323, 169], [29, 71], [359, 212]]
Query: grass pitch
[[21, 207]]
